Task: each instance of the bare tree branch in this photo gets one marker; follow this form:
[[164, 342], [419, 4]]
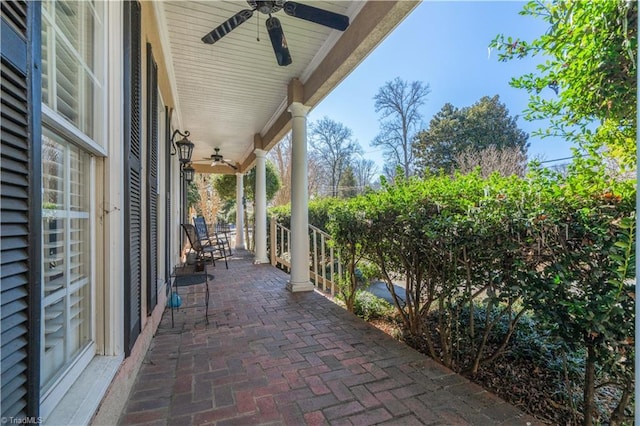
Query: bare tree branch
[[399, 102]]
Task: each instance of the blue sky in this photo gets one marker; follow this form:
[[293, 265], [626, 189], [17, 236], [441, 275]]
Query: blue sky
[[444, 44]]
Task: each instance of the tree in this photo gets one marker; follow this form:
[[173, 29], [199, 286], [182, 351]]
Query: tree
[[399, 102], [225, 185], [436, 148], [280, 156], [452, 131], [364, 171], [506, 161], [206, 201], [333, 147], [587, 85], [348, 186]]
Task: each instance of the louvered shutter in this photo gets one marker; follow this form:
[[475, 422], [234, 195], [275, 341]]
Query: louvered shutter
[[132, 171], [167, 222], [20, 206], [152, 181]]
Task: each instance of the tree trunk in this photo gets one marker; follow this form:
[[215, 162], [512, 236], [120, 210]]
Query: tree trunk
[[589, 383], [350, 298], [618, 417]]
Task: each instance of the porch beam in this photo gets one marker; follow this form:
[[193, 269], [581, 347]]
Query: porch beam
[[374, 22]]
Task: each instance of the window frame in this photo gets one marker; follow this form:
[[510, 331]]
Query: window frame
[[96, 147]]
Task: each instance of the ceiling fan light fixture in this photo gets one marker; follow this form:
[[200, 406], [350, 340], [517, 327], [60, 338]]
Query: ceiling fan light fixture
[[218, 160], [266, 7]]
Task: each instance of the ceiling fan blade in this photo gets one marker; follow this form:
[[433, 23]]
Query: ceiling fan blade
[[278, 41], [227, 26], [230, 165], [319, 16]]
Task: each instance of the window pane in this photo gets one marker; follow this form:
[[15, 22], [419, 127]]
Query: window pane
[[66, 246], [53, 359], [71, 34], [54, 256], [53, 174], [67, 85], [46, 64]]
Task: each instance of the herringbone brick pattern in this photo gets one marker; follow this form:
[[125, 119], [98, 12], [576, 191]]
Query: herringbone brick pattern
[[268, 356]]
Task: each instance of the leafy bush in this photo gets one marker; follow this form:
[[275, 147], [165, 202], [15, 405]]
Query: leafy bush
[[561, 247], [368, 306], [318, 212]]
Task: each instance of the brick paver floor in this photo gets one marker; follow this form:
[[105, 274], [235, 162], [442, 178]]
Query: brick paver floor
[[268, 356]]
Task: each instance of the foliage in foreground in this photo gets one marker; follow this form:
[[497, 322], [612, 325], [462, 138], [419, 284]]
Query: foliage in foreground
[[587, 87], [369, 306], [561, 248], [318, 212]]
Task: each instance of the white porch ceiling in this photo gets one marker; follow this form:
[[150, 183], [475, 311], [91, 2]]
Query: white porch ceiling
[[228, 92]]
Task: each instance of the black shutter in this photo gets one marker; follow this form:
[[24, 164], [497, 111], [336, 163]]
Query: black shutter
[[167, 223], [132, 172], [152, 181], [20, 209]]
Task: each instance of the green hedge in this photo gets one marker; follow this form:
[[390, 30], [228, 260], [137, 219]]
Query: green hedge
[[559, 247], [318, 212]]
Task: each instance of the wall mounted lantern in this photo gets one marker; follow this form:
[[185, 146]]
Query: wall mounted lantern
[[188, 173], [184, 147]]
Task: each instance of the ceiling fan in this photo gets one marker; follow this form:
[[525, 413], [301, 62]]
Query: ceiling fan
[[276, 34], [218, 160]]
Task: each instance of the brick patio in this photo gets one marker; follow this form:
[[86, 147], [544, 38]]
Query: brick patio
[[268, 356]]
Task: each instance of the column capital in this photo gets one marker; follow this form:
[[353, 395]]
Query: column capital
[[260, 153], [298, 109]]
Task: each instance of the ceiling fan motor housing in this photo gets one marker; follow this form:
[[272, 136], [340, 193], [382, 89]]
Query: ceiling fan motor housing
[[266, 6], [217, 157]]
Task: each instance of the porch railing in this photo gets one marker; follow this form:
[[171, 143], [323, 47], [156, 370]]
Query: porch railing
[[324, 262]]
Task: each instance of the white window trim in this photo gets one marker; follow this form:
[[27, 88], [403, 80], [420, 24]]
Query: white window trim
[[83, 398], [106, 354], [58, 124], [50, 399]]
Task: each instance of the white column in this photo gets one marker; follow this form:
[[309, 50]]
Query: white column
[[299, 201], [239, 212], [261, 208]]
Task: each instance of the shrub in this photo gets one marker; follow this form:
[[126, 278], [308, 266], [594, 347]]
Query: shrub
[[318, 212], [368, 306]]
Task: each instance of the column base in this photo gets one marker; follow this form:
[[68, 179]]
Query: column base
[[260, 261], [297, 287]]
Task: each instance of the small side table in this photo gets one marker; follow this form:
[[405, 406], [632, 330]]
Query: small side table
[[185, 270]]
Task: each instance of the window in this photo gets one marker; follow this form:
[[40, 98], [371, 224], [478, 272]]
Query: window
[[66, 284], [71, 69], [73, 103]]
